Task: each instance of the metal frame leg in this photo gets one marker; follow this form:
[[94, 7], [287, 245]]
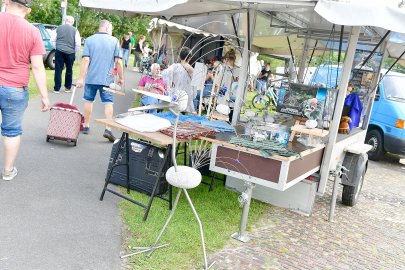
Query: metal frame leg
[[244, 199], [333, 199], [167, 221], [152, 196], [206, 267], [108, 178], [155, 246]]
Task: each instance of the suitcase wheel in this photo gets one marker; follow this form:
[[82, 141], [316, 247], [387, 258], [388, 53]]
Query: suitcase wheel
[[47, 138]]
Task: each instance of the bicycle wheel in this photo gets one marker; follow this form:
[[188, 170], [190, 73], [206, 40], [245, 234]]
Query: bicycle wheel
[[261, 101]]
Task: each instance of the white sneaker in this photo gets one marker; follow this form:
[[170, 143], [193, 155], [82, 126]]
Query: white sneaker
[[9, 175]]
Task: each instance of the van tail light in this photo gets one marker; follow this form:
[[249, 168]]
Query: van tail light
[[400, 123]]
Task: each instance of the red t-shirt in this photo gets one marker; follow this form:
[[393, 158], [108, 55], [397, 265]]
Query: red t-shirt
[[19, 40]]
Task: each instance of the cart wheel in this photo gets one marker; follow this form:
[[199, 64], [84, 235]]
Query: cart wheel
[[47, 138], [350, 194], [261, 101]]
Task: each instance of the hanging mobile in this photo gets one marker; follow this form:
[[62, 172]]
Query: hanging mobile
[[114, 87]]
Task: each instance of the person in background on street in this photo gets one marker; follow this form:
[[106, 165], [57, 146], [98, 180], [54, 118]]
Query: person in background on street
[[125, 48], [66, 39], [20, 45], [179, 77], [262, 78], [152, 84], [132, 40], [139, 51], [146, 50], [100, 54]]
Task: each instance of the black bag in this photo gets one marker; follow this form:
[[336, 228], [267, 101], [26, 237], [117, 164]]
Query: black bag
[[144, 162]]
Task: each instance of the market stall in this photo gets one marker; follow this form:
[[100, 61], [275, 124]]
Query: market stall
[[258, 160]]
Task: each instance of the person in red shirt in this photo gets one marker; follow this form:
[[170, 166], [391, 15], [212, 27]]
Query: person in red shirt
[[20, 44]]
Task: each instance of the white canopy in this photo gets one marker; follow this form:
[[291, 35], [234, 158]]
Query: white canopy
[[387, 14]]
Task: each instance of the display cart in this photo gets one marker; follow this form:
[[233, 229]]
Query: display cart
[[284, 181]]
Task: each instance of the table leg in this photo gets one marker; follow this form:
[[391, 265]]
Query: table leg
[[108, 178], [162, 166]]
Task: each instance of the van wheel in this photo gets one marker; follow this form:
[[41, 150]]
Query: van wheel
[[375, 139], [50, 61]]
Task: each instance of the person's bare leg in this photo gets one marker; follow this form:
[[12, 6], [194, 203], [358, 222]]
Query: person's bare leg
[[11, 147], [109, 111], [88, 108]]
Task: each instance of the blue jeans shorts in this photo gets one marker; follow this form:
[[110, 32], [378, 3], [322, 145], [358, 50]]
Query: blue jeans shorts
[[13, 102], [90, 92]]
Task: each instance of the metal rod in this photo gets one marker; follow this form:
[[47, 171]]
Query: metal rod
[[143, 251], [200, 228], [340, 52], [333, 199], [375, 48], [234, 29], [327, 159], [167, 221], [310, 59], [291, 52]]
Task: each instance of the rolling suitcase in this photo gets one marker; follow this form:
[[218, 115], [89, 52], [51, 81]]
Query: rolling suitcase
[[65, 122]]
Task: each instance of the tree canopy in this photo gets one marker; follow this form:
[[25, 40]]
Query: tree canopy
[[49, 12]]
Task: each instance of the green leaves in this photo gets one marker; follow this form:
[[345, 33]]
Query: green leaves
[[49, 12]]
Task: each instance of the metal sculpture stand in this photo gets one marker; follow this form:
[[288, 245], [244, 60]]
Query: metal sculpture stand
[[173, 178], [244, 199]]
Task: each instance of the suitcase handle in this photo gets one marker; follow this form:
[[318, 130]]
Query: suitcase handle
[[73, 94]]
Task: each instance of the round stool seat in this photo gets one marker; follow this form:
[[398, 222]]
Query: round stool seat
[[186, 177]]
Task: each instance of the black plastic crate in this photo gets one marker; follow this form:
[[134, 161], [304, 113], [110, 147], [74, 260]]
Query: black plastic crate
[[144, 162]]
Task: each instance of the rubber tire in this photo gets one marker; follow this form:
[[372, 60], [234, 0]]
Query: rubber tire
[[256, 105], [50, 61], [350, 194], [377, 152]]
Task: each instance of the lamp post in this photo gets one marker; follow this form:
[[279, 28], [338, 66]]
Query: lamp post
[[63, 5]]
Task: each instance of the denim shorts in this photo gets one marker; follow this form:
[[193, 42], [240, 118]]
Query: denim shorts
[[90, 91], [13, 102]]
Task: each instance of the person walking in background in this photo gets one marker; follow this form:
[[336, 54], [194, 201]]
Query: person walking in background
[[20, 45], [139, 51], [146, 50], [126, 48], [263, 78], [66, 40], [100, 54]]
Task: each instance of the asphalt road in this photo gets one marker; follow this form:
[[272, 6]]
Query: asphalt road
[[50, 214]]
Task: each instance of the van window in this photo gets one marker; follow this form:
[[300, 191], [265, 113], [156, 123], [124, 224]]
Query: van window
[[394, 88]]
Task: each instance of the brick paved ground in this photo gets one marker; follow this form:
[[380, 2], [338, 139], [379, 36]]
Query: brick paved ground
[[370, 235]]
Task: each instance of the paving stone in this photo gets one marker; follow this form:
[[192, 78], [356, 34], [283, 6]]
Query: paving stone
[[370, 235]]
